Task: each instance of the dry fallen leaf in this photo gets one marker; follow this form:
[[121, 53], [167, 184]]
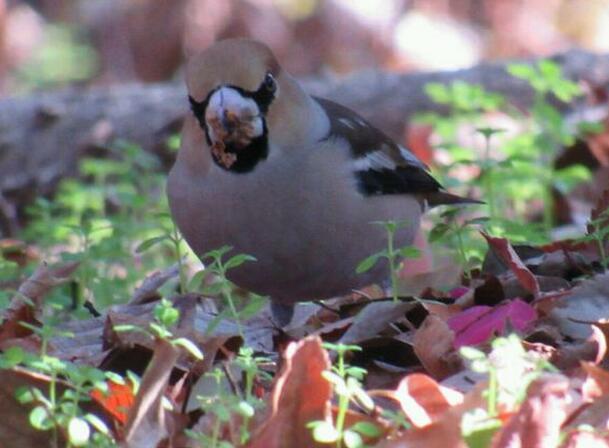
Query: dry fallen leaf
[[44, 279], [147, 420], [445, 430], [573, 313], [300, 395], [15, 429], [422, 399], [433, 341], [374, 318], [504, 250]]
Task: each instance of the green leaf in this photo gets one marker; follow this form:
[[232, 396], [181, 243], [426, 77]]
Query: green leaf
[[196, 281], [462, 155], [478, 429], [352, 439], [238, 260], [254, 305], [337, 382], [356, 372], [568, 178], [39, 418], [550, 70], [245, 409], [125, 328], [115, 377], [522, 71], [24, 395], [79, 431], [165, 313], [159, 331], [97, 423], [489, 132], [362, 397], [591, 127], [566, 90], [150, 242], [437, 92], [324, 432], [189, 346], [409, 252], [368, 263], [367, 429], [12, 356], [216, 254], [438, 231]]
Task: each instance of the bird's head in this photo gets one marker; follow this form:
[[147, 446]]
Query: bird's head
[[232, 88], [245, 103]]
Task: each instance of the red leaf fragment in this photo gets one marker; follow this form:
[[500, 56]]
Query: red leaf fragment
[[117, 401], [478, 324]]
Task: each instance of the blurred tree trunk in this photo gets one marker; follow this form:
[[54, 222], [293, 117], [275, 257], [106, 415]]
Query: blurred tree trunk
[[43, 135]]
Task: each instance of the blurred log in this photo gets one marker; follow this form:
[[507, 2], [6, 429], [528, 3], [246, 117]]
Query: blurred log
[[43, 135]]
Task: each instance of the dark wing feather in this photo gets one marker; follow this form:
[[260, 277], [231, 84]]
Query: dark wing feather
[[380, 165]]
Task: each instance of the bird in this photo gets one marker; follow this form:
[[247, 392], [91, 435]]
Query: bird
[[293, 180]]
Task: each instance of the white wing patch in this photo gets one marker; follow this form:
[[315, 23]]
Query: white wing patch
[[410, 158], [385, 159], [375, 160], [347, 122]]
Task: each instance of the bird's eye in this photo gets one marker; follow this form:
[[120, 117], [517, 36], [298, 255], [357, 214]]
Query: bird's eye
[[269, 83]]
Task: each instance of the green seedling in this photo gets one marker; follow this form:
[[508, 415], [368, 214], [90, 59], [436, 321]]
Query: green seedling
[[59, 409], [346, 382], [510, 369], [173, 238], [523, 163], [216, 283], [166, 316], [224, 406], [392, 254], [462, 231]]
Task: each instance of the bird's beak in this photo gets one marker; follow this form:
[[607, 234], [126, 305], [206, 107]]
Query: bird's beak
[[222, 122], [231, 117]]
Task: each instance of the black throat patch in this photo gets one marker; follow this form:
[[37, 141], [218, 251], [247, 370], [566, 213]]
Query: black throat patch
[[246, 157]]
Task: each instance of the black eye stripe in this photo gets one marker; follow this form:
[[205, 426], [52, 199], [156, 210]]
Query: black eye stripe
[[263, 97], [257, 150]]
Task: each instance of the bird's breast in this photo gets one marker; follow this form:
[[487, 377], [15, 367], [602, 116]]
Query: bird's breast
[[298, 213]]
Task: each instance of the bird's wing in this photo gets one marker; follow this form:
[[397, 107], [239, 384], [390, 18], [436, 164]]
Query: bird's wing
[[379, 164]]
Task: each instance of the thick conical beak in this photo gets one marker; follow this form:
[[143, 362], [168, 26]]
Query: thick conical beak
[[232, 118]]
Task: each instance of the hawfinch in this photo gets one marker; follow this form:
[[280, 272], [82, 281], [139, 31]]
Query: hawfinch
[[293, 180]]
